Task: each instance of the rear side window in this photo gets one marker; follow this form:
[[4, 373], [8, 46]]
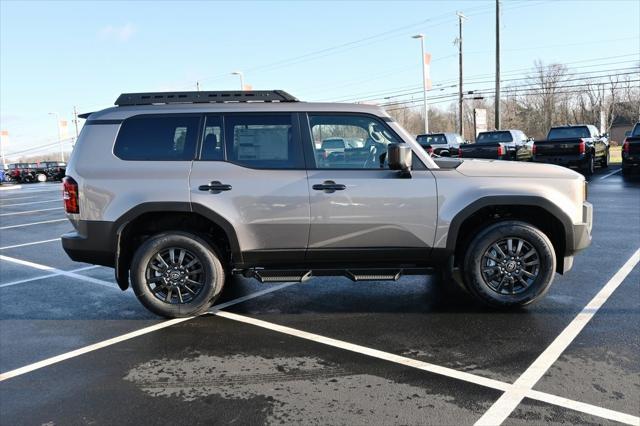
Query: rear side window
[[158, 138], [263, 141]]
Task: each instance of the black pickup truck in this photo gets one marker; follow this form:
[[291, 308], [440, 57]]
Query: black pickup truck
[[499, 145], [579, 146], [631, 151]]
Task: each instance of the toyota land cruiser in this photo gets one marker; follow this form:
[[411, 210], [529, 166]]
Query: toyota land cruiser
[[177, 191]]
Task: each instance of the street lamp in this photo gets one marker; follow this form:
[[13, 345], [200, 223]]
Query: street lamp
[[424, 82], [59, 136], [241, 75]]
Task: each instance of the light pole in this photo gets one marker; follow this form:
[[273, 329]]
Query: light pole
[[59, 137], [424, 82], [241, 75]]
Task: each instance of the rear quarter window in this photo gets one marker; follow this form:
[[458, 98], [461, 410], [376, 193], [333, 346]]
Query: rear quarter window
[[158, 138]]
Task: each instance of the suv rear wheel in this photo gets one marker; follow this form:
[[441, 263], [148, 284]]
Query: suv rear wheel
[[509, 264], [176, 274]]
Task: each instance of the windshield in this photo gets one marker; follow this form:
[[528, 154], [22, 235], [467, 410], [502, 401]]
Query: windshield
[[636, 130], [493, 137], [432, 139], [568, 133]]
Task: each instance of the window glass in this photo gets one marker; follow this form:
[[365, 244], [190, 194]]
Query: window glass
[[262, 141], [212, 143], [158, 138], [436, 139], [636, 130], [349, 141], [568, 132], [493, 137]]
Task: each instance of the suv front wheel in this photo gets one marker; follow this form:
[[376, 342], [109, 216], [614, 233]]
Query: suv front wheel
[[176, 274], [509, 264]]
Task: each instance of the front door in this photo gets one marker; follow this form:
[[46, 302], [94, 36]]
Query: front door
[[251, 173], [362, 212]]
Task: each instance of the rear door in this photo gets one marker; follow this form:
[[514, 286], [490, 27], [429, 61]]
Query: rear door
[[251, 173], [362, 212]]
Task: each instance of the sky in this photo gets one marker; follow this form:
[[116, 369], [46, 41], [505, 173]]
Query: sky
[[57, 55]]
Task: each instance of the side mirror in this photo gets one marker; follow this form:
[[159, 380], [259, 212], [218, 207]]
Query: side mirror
[[399, 156]]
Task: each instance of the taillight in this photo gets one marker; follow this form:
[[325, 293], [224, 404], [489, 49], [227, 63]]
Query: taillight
[[582, 147], [460, 152], [625, 146], [534, 149], [430, 150], [500, 151], [70, 195]]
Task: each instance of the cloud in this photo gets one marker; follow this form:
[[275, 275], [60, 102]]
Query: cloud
[[118, 33]]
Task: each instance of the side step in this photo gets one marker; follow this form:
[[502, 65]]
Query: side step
[[276, 276], [298, 276]]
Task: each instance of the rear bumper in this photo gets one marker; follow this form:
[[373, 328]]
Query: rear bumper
[[92, 242], [562, 160]]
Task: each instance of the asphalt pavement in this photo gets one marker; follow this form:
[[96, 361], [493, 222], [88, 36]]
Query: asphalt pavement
[[75, 349]]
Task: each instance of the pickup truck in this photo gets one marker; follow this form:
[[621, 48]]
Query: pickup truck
[[499, 145], [578, 146], [441, 144], [631, 151]]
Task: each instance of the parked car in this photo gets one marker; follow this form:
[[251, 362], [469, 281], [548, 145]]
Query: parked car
[[266, 208], [499, 145], [52, 170], [441, 144], [20, 173], [631, 151], [577, 146]]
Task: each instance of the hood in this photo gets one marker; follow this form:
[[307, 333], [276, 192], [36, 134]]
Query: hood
[[517, 169]]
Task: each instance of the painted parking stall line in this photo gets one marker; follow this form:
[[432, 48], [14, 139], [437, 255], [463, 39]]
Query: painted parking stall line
[[59, 272], [42, 277], [436, 369], [31, 211], [610, 174], [57, 200], [33, 223], [29, 244], [109, 342], [508, 402]]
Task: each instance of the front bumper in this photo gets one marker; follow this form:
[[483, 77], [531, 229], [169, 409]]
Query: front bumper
[[581, 237]]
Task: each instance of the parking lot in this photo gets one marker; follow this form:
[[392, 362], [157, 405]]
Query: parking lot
[[75, 349]]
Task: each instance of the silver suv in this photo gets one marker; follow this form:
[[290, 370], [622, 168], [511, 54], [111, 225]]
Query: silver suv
[[178, 191]]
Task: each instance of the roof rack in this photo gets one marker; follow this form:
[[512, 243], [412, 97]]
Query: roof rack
[[127, 99]]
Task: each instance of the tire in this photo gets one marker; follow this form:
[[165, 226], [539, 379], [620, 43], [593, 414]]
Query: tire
[[589, 167], [604, 163], [155, 285], [41, 177], [495, 288]]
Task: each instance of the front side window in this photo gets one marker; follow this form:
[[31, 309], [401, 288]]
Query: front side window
[[158, 138], [263, 141], [349, 141]]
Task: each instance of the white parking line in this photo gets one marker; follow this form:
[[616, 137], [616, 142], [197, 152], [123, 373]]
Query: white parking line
[[18, 198], [59, 272], [57, 200], [35, 190], [610, 174], [432, 368], [29, 244], [42, 277], [33, 223], [509, 400], [31, 211], [68, 355]]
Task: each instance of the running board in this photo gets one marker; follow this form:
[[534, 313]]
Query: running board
[[298, 276]]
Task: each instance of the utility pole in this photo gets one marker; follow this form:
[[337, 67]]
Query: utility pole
[[197, 86], [461, 19], [75, 120], [424, 83], [497, 98]]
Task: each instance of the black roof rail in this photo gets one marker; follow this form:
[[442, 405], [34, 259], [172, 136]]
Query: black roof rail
[[127, 99]]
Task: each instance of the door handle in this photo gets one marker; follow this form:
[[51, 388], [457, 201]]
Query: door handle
[[329, 186], [215, 187]]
